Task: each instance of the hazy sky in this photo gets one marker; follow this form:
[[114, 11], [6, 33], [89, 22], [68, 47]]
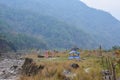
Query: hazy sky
[[111, 6]]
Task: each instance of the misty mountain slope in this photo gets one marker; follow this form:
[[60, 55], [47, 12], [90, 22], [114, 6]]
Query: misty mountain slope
[[102, 26], [5, 46], [55, 33], [9, 33]]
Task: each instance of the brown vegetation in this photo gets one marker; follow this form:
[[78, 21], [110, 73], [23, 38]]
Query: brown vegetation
[[60, 68]]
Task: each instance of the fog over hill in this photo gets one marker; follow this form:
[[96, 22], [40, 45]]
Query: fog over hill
[[57, 24]]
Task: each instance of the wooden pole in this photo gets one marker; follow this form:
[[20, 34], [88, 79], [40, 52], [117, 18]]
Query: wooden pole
[[114, 72], [100, 50]]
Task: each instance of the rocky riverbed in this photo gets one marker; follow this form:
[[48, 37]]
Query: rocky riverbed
[[10, 68]]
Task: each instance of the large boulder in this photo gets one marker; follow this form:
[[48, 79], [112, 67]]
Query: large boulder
[[74, 65], [30, 68]]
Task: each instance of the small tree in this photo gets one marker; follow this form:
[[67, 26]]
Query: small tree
[[116, 47]]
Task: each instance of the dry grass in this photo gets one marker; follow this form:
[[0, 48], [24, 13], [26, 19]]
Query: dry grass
[[90, 68]]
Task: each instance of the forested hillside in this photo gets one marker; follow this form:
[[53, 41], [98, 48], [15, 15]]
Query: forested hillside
[[57, 24], [40, 31]]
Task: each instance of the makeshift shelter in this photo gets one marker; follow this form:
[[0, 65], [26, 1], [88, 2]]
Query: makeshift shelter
[[74, 55]]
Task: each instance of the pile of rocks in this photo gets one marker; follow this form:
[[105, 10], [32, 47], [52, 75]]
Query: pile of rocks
[[10, 69]]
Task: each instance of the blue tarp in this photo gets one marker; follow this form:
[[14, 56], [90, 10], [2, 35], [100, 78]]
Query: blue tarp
[[74, 52], [74, 57]]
